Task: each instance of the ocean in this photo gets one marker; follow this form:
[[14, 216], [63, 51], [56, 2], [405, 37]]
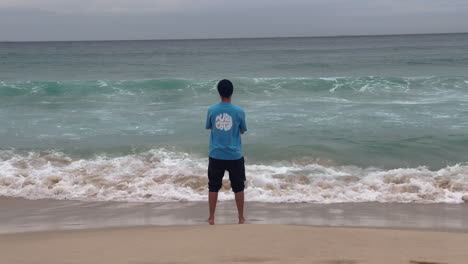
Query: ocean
[[331, 119]]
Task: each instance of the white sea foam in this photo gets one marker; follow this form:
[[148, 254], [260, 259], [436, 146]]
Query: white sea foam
[[102, 83], [160, 175], [331, 78]]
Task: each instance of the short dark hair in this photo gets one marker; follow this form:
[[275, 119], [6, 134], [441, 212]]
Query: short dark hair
[[225, 88]]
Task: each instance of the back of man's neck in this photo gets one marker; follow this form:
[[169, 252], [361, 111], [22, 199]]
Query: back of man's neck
[[225, 100]]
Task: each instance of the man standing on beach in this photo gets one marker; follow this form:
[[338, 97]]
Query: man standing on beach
[[227, 123]]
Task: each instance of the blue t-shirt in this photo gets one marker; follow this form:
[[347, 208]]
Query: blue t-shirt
[[225, 121]]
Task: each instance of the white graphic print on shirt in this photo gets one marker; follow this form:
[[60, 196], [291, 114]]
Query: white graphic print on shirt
[[224, 122]]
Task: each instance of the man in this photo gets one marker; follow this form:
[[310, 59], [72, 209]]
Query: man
[[227, 123]]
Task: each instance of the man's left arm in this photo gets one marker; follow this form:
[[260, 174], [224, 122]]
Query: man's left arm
[[208, 124]]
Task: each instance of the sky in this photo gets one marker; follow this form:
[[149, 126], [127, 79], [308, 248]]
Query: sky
[[43, 20]]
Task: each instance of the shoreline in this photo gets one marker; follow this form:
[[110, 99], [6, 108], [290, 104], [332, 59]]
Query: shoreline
[[19, 215], [56, 232]]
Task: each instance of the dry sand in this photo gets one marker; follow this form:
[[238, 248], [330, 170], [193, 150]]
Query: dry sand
[[235, 244]]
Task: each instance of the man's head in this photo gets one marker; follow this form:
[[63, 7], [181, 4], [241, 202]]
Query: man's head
[[225, 88]]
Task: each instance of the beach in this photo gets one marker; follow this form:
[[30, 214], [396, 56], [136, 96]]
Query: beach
[[85, 232], [52, 231], [236, 244], [19, 215]]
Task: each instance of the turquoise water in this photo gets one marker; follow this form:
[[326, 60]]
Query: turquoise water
[[382, 104]]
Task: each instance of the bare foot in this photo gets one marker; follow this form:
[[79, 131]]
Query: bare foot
[[210, 221], [241, 220]]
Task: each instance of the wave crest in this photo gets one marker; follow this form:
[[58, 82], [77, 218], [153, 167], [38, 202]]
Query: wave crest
[[160, 175], [109, 88]]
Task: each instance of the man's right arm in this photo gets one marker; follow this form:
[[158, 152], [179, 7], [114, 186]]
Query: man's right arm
[[242, 125]]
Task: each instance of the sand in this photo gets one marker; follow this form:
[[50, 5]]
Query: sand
[[144, 233], [20, 215], [235, 244]]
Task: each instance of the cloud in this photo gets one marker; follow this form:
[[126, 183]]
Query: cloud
[[159, 19], [187, 6], [137, 6]]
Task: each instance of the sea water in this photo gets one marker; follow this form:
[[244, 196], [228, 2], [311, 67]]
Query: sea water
[[334, 119]]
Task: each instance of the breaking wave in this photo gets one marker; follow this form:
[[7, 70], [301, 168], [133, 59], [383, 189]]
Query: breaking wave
[[160, 175]]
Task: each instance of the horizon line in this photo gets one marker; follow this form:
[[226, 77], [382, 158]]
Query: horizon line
[[232, 38]]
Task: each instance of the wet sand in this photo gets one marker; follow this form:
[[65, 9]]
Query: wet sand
[[20, 215]]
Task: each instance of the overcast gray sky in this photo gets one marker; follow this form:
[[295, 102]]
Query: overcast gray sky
[[168, 19]]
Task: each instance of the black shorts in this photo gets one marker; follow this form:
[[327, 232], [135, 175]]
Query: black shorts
[[216, 169]]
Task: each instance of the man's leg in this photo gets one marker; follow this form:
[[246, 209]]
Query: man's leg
[[212, 199], [215, 181], [240, 206], [237, 177]]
